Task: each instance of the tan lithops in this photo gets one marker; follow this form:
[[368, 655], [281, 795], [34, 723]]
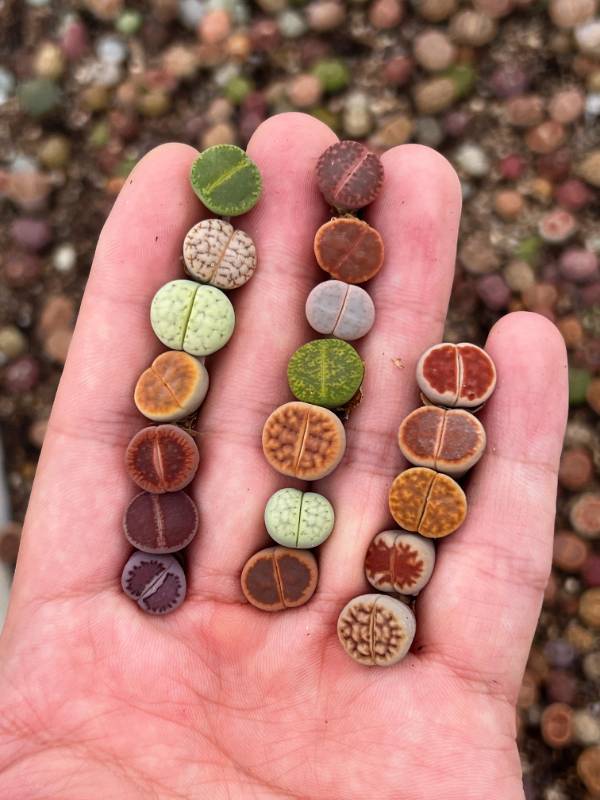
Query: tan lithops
[[303, 440], [427, 502], [376, 630], [217, 253], [448, 440], [172, 387]]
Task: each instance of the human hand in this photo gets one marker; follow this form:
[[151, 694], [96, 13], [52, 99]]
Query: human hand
[[219, 700]]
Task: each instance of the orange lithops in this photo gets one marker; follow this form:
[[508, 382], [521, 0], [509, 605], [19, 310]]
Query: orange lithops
[[349, 249], [303, 440], [428, 502], [173, 386]]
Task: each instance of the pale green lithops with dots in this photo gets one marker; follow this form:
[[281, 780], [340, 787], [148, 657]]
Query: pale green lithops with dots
[[326, 372], [188, 316], [299, 519], [226, 180]]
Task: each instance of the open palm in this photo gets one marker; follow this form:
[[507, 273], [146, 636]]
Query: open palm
[[219, 700]]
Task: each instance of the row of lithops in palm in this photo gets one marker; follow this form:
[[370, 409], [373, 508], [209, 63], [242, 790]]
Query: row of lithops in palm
[[442, 439], [194, 318], [305, 438]]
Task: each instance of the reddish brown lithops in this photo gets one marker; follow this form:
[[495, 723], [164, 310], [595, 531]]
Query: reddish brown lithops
[[376, 630], [279, 577], [398, 561], [456, 375], [349, 249], [173, 387], [215, 252], [303, 440], [162, 458], [448, 440], [349, 175], [160, 523], [427, 502]]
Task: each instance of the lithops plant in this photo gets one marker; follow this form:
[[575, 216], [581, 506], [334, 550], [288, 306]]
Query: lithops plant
[[327, 372], [397, 561], [299, 519], [162, 458], [156, 582], [338, 308], [226, 180], [427, 502], [277, 577], [172, 387], [349, 175], [456, 375], [349, 249], [215, 252], [160, 523], [376, 630]]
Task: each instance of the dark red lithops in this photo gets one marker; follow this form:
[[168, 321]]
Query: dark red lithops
[[162, 458], [349, 175], [160, 523], [156, 582], [278, 577], [456, 375]]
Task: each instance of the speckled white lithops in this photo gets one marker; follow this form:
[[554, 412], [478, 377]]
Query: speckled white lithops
[[298, 519], [188, 316], [215, 252]]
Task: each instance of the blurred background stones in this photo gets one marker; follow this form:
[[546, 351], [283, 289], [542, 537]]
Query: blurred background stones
[[508, 90]]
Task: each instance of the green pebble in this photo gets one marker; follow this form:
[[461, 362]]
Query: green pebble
[[529, 249], [579, 380], [196, 318], [333, 74], [238, 88], [226, 180], [39, 96], [299, 519], [464, 77], [129, 22], [325, 372]]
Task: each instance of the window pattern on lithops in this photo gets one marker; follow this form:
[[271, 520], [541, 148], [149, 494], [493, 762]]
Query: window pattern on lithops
[[376, 630], [192, 318], [428, 502], [326, 372], [298, 519], [401, 562]]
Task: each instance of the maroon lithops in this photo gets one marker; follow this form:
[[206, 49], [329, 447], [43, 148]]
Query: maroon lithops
[[398, 561], [349, 175], [162, 458], [160, 523], [277, 577], [349, 249], [449, 440], [157, 583], [456, 375]]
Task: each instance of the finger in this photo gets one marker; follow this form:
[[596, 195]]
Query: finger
[[234, 480], [479, 611], [72, 536], [417, 215]]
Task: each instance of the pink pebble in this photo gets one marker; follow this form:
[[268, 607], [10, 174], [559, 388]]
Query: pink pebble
[[578, 265], [590, 295], [493, 291], [21, 375], [557, 226], [74, 40], [31, 234], [573, 194], [590, 571], [512, 167]]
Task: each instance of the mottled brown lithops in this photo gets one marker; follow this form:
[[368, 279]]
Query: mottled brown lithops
[[427, 502], [278, 577], [162, 458], [397, 561], [349, 249], [172, 387], [160, 523], [456, 375], [448, 440], [376, 630], [215, 252], [303, 440], [349, 175]]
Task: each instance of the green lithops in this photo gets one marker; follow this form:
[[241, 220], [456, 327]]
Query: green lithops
[[325, 372], [195, 318], [299, 519], [226, 180]]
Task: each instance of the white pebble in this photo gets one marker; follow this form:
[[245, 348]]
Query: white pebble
[[111, 50], [64, 258], [472, 159], [291, 24], [587, 37], [7, 84], [191, 12]]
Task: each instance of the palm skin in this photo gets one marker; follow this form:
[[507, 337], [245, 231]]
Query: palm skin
[[219, 700]]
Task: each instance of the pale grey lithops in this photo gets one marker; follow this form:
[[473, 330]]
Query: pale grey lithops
[[397, 561], [188, 316], [376, 630], [298, 519], [339, 308], [215, 252]]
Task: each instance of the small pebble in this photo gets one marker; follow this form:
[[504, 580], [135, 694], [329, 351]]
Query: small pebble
[[570, 552], [493, 291], [560, 653], [546, 137], [585, 515], [557, 725], [303, 441], [173, 387], [21, 375], [31, 234], [591, 666], [376, 630], [433, 50], [226, 180], [39, 97], [401, 562], [216, 253], [385, 14], [304, 91], [588, 769], [277, 578], [579, 380], [586, 728], [436, 10], [573, 195], [592, 394], [21, 269], [10, 539], [589, 168], [589, 607], [576, 469], [333, 74], [570, 13], [509, 80], [512, 167], [434, 95], [525, 110], [587, 37], [557, 226], [349, 176], [555, 166], [566, 105], [299, 519], [590, 572], [162, 458], [472, 159], [508, 204], [349, 249], [519, 275], [456, 375], [345, 311], [325, 15], [160, 523], [326, 372], [156, 582], [427, 502], [472, 28], [12, 343], [188, 316], [447, 440], [579, 265]]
